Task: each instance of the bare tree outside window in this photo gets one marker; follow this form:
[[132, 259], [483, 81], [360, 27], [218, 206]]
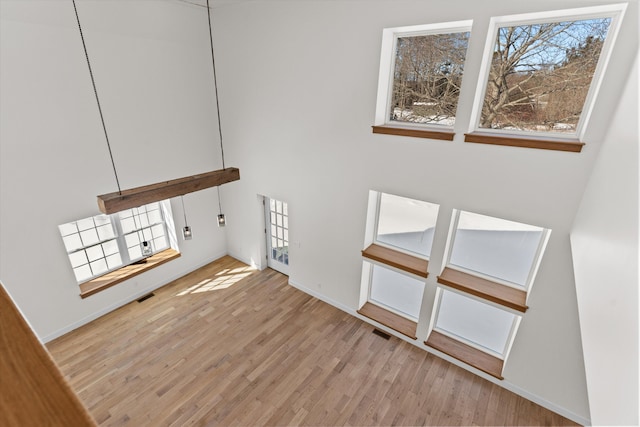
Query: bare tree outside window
[[540, 75], [427, 77]]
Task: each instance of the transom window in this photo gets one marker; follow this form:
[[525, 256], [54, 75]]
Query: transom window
[[420, 75], [541, 72], [103, 243]]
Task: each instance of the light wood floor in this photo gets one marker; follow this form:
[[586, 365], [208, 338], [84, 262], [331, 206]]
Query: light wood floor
[[227, 345]]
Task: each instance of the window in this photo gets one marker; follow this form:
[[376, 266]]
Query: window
[[420, 76], [104, 243], [406, 224], [480, 325], [399, 238], [502, 251], [490, 266], [277, 229], [541, 73]]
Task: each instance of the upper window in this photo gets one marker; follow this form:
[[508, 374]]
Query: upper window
[[420, 75], [406, 224], [103, 243], [500, 250], [541, 72]]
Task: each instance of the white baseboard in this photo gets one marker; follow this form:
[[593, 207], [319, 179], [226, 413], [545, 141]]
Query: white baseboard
[[125, 301], [419, 343]]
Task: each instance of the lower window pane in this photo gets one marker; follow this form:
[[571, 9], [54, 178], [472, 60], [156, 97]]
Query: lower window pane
[[396, 291], [479, 323], [160, 243], [82, 273], [99, 267], [78, 258], [114, 261]]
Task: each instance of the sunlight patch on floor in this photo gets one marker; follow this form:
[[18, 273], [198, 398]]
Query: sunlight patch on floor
[[222, 280]]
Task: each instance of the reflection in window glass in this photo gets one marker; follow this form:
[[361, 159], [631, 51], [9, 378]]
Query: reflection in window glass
[[540, 75], [426, 78], [476, 322], [406, 223], [496, 247]]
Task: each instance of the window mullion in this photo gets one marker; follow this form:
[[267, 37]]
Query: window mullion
[[120, 239]]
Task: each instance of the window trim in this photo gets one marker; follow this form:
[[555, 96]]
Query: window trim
[[382, 124], [533, 270], [546, 140], [126, 272], [512, 329]]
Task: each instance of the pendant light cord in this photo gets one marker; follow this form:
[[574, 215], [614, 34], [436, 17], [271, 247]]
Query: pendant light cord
[[95, 91], [184, 211], [215, 84]]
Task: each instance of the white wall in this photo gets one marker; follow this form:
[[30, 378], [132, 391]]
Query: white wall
[[152, 66], [298, 90], [604, 241]]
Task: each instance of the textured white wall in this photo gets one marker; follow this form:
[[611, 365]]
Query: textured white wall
[[604, 242], [299, 83], [152, 65]]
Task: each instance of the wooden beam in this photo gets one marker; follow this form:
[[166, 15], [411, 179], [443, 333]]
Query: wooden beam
[[134, 197]]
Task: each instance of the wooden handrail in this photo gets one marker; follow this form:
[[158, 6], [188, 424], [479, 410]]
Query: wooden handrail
[[33, 392]]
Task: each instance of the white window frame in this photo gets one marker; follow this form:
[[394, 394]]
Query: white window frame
[[377, 220], [368, 266], [123, 250], [512, 333], [614, 11], [387, 65], [533, 270]]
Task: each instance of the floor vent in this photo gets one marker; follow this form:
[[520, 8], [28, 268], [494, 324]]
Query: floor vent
[[146, 297], [379, 333]]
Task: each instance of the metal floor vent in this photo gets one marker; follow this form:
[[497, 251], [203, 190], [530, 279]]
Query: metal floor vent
[[146, 297], [379, 333]]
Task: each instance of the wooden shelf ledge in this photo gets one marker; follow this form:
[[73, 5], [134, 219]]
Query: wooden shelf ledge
[[389, 319], [416, 133], [120, 275], [134, 197], [485, 289], [467, 354], [400, 260], [515, 141]]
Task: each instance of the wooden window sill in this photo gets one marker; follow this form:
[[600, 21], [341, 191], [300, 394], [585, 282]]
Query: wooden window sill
[[515, 141], [467, 354], [400, 260], [390, 319], [108, 280], [417, 133], [483, 288]]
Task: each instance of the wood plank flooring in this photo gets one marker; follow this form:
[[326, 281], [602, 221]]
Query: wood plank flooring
[[227, 345]]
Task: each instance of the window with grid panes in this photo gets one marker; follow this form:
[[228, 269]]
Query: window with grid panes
[[104, 243], [279, 223]]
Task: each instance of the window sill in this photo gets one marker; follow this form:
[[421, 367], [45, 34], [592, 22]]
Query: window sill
[[514, 141], [389, 319], [108, 280], [467, 354], [399, 260], [485, 289], [417, 133]]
